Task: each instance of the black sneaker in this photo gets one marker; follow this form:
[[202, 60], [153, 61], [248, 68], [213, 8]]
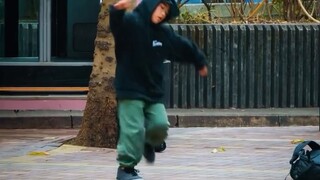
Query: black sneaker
[[160, 147], [128, 173], [149, 153]]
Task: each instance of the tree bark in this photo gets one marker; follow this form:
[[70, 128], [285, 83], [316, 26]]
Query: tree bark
[[99, 125]]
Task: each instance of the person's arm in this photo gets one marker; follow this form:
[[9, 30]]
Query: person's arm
[[117, 12], [123, 4], [184, 50], [203, 71]]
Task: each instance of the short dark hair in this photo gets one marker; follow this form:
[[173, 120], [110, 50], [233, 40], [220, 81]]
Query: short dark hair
[[169, 2]]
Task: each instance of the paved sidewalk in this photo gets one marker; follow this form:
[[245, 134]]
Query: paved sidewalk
[[257, 153]]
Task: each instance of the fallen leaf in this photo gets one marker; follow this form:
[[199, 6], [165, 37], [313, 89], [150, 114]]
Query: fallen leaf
[[214, 150], [296, 141], [219, 149], [38, 153]]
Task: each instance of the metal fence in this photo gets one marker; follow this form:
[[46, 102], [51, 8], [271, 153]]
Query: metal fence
[[250, 66]]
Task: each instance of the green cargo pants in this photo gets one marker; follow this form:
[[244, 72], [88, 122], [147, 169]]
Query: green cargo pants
[[139, 122]]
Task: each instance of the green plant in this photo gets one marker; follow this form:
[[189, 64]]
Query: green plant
[[244, 11]]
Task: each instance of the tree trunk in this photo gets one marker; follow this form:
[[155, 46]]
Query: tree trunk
[[99, 126]]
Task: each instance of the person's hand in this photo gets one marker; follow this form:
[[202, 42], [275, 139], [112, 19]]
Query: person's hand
[[123, 4], [203, 71]]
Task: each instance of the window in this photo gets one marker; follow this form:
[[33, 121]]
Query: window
[[19, 30], [48, 30], [74, 26], [28, 28], [1, 28]]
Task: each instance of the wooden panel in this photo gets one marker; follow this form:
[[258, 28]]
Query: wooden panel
[[242, 74], [267, 62], [250, 66], [275, 66]]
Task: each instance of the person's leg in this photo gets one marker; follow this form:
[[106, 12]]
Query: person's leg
[[157, 123], [157, 126], [161, 147], [131, 136]]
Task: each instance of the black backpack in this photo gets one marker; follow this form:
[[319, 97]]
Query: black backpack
[[305, 164]]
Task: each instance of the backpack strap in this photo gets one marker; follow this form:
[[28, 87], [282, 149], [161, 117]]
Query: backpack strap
[[298, 150]]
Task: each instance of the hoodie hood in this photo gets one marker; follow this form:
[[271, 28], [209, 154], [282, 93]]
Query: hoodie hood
[[146, 8]]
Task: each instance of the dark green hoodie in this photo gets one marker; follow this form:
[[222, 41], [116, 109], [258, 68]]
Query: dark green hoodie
[[141, 47]]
